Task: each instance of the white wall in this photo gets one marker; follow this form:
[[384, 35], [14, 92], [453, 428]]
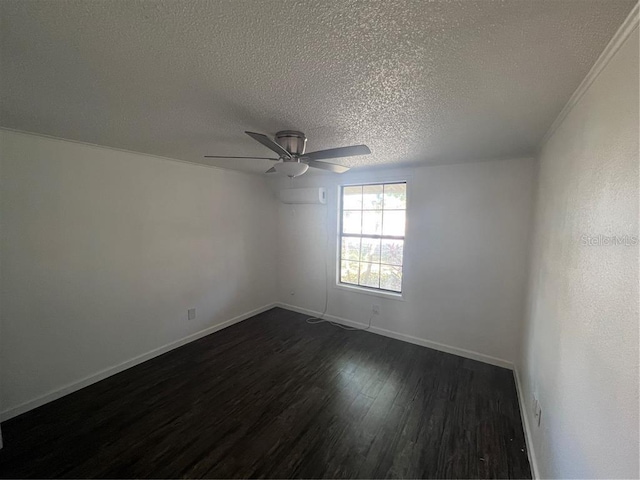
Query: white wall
[[103, 252], [580, 344], [465, 261]]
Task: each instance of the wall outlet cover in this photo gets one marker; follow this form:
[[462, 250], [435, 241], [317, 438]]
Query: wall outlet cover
[[191, 314], [539, 416]]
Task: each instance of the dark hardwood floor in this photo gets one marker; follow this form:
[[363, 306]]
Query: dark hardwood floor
[[276, 397]]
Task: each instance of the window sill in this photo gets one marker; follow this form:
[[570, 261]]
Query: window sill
[[367, 291]]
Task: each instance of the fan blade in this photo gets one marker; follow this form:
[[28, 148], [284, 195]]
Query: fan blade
[[332, 167], [227, 156], [338, 152], [271, 170], [267, 142]]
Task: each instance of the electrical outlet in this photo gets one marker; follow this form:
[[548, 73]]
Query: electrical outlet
[[292, 293], [537, 410], [191, 314], [375, 309], [539, 415]]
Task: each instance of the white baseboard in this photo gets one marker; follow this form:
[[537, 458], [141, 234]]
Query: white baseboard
[[461, 352], [107, 372], [527, 428]]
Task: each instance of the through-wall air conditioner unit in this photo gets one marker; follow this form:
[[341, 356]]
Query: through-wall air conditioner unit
[[316, 195]]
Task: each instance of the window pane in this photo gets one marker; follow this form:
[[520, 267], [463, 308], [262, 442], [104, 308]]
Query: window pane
[[394, 223], [391, 252], [372, 222], [372, 197], [390, 278], [351, 222], [350, 249], [370, 251], [370, 275], [349, 272], [395, 196], [352, 198]]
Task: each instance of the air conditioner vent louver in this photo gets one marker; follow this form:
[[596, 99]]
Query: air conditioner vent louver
[[317, 195]]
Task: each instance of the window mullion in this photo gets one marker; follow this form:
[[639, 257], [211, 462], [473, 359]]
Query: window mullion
[[359, 260], [375, 237]]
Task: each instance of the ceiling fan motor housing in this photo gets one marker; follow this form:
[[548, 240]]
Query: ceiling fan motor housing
[[292, 141]]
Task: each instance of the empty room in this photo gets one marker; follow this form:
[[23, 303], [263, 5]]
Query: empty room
[[319, 239]]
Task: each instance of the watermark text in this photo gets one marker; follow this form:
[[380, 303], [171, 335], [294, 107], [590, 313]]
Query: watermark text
[[608, 240]]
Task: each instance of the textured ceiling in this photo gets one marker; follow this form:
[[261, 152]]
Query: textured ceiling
[[417, 81]]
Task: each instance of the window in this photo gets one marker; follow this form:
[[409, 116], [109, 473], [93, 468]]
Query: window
[[372, 221]]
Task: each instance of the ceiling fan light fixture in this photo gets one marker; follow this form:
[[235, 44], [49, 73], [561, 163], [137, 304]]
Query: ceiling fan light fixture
[[293, 161], [291, 169]]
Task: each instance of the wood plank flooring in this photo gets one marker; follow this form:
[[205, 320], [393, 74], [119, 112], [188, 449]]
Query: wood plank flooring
[[276, 397]]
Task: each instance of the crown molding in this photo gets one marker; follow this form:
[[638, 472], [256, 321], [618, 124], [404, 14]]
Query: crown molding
[[122, 150], [627, 27]]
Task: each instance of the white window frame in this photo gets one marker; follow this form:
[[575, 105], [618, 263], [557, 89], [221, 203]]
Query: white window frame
[[378, 292]]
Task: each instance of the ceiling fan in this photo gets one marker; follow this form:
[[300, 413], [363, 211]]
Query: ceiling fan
[[293, 161]]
